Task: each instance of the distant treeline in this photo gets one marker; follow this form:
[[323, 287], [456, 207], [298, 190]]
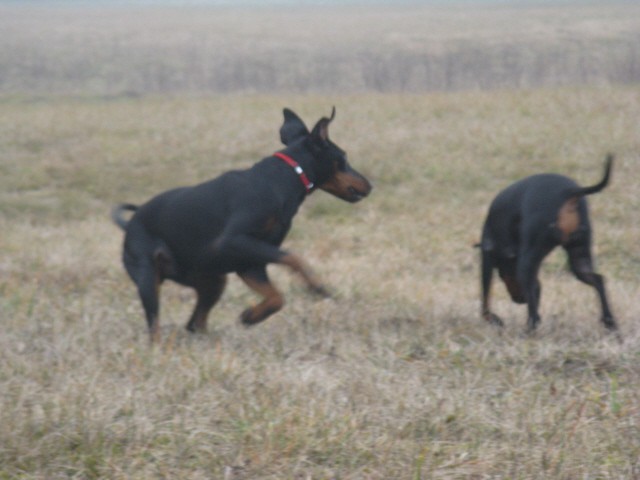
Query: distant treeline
[[116, 51]]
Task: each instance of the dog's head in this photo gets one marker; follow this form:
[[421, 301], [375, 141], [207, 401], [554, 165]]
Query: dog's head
[[332, 171]]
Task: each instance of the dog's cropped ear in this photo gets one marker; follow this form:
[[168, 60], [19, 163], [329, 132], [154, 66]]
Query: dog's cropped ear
[[321, 130], [293, 128]]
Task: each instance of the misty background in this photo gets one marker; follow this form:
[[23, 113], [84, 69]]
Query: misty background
[[206, 46]]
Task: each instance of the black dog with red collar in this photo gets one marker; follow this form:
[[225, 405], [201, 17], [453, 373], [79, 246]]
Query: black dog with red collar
[[236, 222]]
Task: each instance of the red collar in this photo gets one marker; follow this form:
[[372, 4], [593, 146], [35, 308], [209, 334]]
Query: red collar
[[297, 168]]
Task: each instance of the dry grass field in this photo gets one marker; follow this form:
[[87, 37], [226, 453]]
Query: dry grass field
[[397, 376]]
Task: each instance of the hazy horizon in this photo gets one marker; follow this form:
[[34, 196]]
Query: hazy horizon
[[117, 49], [267, 3]]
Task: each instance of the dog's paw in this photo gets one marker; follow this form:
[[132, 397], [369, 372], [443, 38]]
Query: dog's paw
[[248, 319], [493, 319], [532, 325], [610, 324], [612, 328]]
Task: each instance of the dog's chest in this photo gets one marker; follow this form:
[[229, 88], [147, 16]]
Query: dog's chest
[[274, 229]]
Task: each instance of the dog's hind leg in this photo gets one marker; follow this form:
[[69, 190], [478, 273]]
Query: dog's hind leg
[[148, 283], [209, 292], [148, 262], [272, 300], [487, 276], [582, 267]]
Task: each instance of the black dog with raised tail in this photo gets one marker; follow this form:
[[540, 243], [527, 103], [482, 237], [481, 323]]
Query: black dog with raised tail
[[236, 222], [525, 222]]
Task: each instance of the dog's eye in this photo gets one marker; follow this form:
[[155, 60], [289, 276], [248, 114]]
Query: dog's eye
[[341, 156]]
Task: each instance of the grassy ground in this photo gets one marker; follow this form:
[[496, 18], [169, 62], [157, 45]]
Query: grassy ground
[[397, 377]]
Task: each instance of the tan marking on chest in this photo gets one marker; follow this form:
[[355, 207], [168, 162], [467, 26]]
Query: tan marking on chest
[[568, 218], [270, 224]]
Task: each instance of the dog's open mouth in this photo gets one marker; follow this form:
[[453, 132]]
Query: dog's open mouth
[[356, 195]]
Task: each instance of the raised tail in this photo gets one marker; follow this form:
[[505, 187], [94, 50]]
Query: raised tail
[[117, 214], [599, 186]]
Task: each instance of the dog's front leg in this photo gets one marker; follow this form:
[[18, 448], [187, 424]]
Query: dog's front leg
[[527, 274], [299, 266], [246, 249], [533, 303], [272, 300]]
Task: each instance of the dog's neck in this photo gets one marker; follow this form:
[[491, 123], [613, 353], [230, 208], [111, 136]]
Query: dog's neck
[[308, 185]]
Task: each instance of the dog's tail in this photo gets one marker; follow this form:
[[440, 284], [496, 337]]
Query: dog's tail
[[598, 186], [118, 211]]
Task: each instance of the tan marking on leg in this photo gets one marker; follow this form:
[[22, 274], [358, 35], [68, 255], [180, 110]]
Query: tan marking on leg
[[299, 266], [513, 287], [208, 296], [271, 303], [200, 319]]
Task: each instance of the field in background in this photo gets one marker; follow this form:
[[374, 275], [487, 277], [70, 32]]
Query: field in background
[[114, 51], [397, 376]]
